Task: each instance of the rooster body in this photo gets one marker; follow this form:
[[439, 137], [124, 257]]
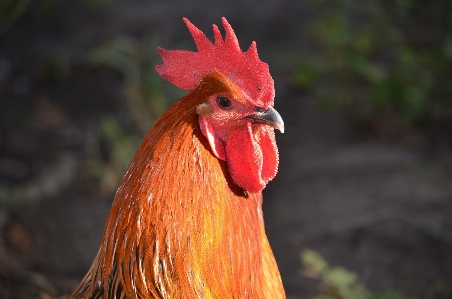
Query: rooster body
[[186, 222]]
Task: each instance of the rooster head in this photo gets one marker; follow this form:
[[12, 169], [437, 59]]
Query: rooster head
[[236, 115]]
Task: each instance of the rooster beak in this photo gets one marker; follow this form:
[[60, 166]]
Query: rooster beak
[[269, 117]]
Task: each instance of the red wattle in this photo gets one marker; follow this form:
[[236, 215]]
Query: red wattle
[[269, 153], [252, 157]]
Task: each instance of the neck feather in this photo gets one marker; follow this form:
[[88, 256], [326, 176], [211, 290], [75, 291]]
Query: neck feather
[[178, 222]]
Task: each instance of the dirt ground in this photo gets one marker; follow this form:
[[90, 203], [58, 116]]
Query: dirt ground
[[377, 206]]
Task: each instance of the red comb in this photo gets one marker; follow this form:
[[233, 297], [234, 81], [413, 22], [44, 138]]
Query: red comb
[[185, 68]]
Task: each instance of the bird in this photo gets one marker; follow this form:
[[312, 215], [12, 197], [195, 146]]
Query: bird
[[186, 220]]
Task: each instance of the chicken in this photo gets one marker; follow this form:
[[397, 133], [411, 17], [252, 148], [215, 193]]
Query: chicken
[[186, 221]]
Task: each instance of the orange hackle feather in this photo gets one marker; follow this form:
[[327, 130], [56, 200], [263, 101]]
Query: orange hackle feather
[[179, 226]]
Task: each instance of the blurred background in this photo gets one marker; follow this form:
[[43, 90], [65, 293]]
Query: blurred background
[[362, 204]]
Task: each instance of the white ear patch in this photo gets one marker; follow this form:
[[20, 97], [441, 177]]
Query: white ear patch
[[215, 144]]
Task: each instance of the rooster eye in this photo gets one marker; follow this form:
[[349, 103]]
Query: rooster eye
[[259, 109], [223, 102]]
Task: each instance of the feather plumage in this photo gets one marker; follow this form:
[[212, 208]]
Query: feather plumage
[[179, 226]]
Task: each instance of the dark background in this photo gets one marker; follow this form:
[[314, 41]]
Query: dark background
[[364, 88]]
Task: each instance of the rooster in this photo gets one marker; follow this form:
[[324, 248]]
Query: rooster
[[186, 221]]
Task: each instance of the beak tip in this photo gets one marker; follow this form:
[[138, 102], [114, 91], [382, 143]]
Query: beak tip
[[269, 117]]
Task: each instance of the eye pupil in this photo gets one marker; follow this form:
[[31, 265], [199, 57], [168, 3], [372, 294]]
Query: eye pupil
[[223, 102], [259, 109]]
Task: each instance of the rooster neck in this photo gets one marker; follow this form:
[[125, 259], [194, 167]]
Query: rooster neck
[[179, 222]]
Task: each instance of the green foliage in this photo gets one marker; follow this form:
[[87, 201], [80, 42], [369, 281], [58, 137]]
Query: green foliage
[[10, 12], [337, 282], [144, 97], [380, 59], [135, 60]]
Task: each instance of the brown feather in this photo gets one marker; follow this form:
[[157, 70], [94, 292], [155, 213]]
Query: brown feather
[[179, 227]]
